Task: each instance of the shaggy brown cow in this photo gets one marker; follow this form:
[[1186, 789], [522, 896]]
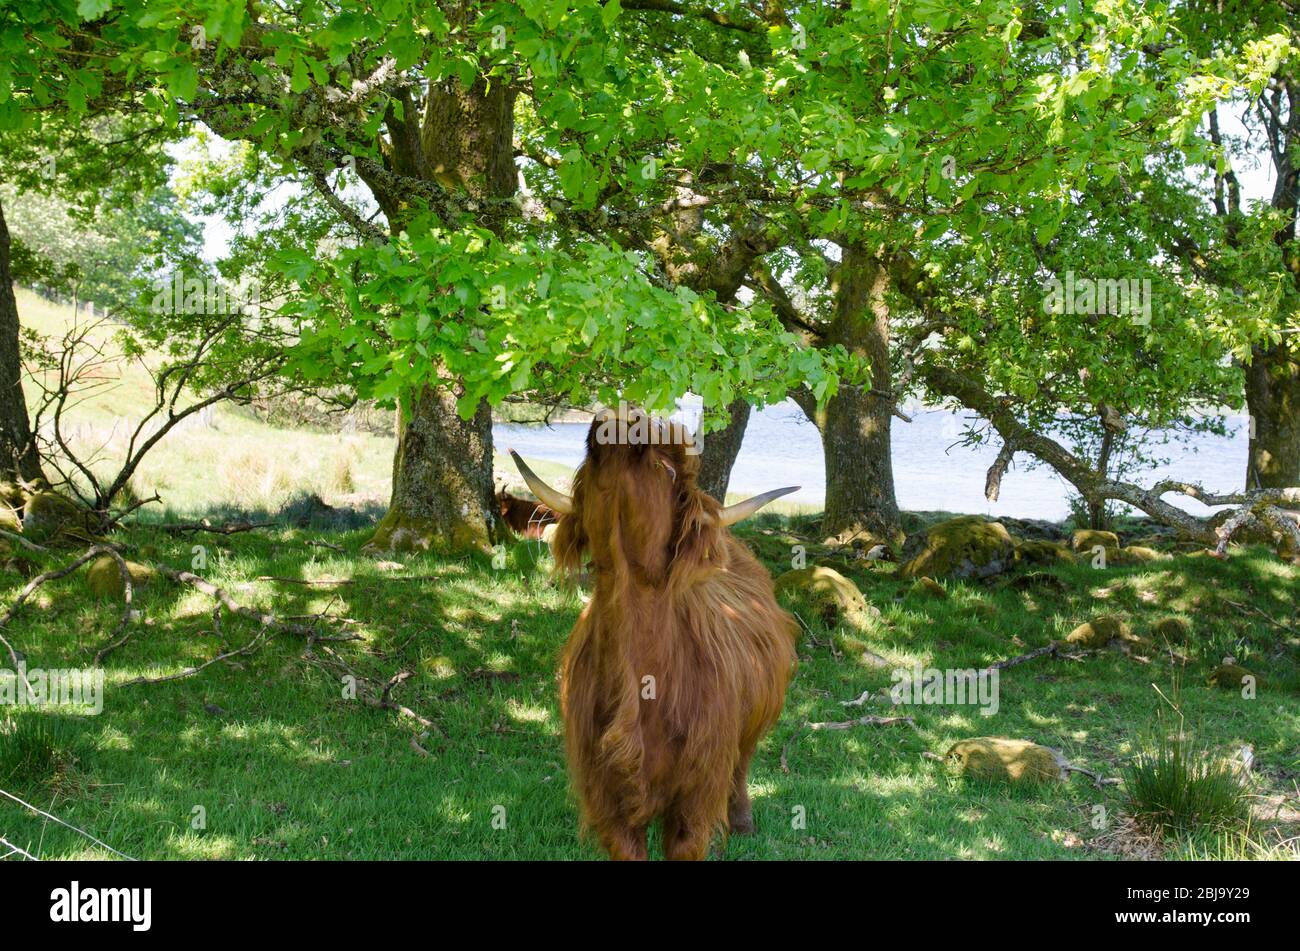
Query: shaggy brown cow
[[525, 518], [679, 663]]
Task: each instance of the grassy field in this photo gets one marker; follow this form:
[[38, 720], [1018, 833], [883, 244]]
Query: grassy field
[[266, 756]]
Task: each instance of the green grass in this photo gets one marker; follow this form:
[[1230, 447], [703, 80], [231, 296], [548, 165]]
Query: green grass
[[278, 763], [283, 766]]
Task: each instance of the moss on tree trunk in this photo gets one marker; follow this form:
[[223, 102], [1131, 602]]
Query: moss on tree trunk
[[442, 479]]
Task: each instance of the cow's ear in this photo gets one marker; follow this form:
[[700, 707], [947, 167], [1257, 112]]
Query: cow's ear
[[697, 531]]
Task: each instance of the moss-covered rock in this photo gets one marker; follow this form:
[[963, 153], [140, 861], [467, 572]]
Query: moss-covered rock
[[1137, 554], [1100, 631], [832, 596], [999, 759], [12, 494], [47, 514], [927, 588], [1044, 553], [105, 580], [1231, 676], [1170, 630], [1286, 548], [1086, 539], [1128, 557], [964, 547]]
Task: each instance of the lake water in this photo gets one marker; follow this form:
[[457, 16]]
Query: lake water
[[782, 447]]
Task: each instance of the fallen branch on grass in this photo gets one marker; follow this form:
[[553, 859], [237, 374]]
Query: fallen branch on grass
[[66, 825], [1097, 779], [862, 721], [1250, 608], [1051, 649], [312, 543], [838, 725], [54, 575], [25, 542], [248, 648], [253, 614], [122, 633], [366, 689], [230, 528]]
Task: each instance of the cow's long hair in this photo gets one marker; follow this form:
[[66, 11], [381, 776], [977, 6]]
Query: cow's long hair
[[679, 663]]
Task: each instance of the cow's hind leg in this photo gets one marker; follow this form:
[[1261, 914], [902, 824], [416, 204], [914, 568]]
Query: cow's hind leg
[[740, 813], [686, 837], [689, 823], [624, 843]]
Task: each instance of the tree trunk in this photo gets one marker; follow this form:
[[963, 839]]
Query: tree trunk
[[442, 479], [442, 471], [1273, 400], [1273, 376], [860, 501], [18, 456], [1097, 520], [720, 450]]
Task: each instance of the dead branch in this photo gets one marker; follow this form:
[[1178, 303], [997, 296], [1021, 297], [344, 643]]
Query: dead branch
[[312, 543], [862, 721], [253, 614], [25, 542], [248, 648], [52, 575], [1251, 609], [230, 528], [993, 479], [122, 634], [367, 693], [1051, 649], [1097, 779], [1254, 506]]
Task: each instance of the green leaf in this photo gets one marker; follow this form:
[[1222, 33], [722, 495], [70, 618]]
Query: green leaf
[[92, 9]]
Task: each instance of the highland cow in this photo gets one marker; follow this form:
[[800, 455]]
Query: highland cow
[[679, 663], [525, 518]]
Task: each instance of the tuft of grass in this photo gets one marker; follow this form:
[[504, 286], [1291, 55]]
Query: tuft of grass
[[34, 750], [339, 478], [1177, 786]]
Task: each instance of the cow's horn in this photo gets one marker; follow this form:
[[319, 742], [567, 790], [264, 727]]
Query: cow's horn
[[556, 500], [743, 510]]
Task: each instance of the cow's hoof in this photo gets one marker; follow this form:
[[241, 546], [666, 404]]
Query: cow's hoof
[[742, 825]]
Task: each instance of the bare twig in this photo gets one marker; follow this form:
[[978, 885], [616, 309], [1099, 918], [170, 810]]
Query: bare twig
[[253, 614], [25, 542], [123, 631], [313, 543], [230, 528], [248, 648], [52, 575], [862, 721]]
